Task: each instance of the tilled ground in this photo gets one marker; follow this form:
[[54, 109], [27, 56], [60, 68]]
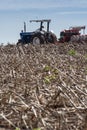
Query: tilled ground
[[43, 87]]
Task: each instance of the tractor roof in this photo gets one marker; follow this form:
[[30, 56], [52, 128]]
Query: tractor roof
[[43, 20]]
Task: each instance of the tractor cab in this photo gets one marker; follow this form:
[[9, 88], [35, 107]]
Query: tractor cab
[[47, 21]]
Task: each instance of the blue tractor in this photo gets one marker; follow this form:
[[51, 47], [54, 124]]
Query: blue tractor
[[40, 36]]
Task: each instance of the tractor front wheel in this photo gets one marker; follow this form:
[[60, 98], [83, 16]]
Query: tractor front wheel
[[19, 42]]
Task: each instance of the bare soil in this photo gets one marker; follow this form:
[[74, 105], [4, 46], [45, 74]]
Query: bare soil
[[43, 86]]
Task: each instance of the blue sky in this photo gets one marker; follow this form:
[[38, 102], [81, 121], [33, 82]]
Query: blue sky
[[63, 13]]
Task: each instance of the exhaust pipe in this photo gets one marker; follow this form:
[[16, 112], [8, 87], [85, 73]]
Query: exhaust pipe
[[24, 27]]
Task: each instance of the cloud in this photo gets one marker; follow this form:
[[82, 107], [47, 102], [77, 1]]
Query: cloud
[[39, 4], [28, 4], [72, 12]]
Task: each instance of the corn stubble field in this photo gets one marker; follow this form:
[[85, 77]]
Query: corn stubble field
[[43, 87]]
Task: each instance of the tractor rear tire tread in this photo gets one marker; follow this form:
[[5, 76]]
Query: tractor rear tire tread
[[53, 38], [39, 37]]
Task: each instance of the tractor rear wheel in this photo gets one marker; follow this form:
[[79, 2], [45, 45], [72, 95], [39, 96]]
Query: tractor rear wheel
[[38, 39], [51, 38]]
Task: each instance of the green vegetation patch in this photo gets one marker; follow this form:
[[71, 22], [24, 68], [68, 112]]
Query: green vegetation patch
[[37, 129], [47, 68], [72, 52]]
